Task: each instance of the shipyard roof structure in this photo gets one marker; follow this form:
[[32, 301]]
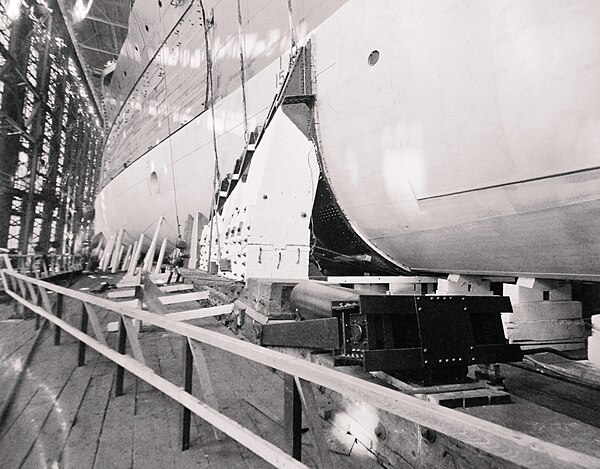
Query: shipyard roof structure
[[98, 28]]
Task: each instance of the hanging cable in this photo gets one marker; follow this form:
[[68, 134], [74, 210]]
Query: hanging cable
[[210, 100], [242, 69], [171, 145]]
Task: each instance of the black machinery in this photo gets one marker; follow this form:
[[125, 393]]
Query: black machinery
[[429, 338]]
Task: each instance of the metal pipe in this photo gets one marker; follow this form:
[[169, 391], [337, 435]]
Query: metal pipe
[[313, 299]]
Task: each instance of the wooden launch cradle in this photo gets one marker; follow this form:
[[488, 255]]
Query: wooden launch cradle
[[489, 438]]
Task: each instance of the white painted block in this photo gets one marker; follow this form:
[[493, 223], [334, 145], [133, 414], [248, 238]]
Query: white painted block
[[195, 296], [544, 310], [596, 322], [594, 349], [121, 294], [545, 330], [463, 285], [532, 290]]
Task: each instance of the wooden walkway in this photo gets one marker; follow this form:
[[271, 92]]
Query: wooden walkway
[[67, 416]]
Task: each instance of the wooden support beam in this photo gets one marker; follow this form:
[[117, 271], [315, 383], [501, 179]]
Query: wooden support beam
[[177, 287], [151, 250], [201, 313], [206, 387], [58, 312], [83, 328], [269, 452], [117, 251], [121, 344], [184, 297], [161, 256], [292, 418], [136, 255], [503, 443], [186, 415], [127, 257], [309, 403], [95, 322], [152, 296], [132, 335]]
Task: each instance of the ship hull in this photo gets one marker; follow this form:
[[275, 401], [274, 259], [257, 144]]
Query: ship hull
[[471, 145]]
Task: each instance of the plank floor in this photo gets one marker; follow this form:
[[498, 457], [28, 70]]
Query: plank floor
[[67, 416]]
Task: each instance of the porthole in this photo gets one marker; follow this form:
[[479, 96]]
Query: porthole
[[159, 4], [124, 73], [373, 57], [147, 28], [154, 184]]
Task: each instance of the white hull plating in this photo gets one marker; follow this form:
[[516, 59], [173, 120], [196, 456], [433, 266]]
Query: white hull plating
[[472, 145]]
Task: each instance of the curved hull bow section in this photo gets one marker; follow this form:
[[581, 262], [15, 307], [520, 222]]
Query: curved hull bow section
[[456, 136]]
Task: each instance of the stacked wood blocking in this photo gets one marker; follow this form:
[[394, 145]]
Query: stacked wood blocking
[[544, 315]]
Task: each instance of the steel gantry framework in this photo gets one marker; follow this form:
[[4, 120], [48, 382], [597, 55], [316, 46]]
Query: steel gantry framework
[[50, 133]]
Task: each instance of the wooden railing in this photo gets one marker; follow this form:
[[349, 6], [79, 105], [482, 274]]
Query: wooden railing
[[41, 266], [501, 442]]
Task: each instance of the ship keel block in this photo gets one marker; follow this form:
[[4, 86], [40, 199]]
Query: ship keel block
[[543, 315]]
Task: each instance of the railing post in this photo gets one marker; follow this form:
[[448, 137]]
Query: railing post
[[58, 312], [121, 349], [186, 414], [292, 417], [84, 326]]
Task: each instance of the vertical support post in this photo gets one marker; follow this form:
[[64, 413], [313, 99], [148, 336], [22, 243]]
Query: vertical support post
[[117, 250], [150, 254], [127, 257], [107, 253], [186, 414], [121, 349], [136, 255], [161, 256], [292, 417], [84, 325], [58, 312]]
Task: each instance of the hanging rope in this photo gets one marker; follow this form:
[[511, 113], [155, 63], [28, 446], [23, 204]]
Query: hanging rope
[[210, 100], [170, 144], [242, 69]]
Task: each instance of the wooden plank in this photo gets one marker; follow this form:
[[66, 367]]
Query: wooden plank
[[184, 297], [121, 294], [309, 404], [152, 296], [266, 450], [82, 443], [132, 335], [206, 386], [49, 444], [152, 442], [490, 438], [178, 287], [201, 313], [96, 326], [115, 446]]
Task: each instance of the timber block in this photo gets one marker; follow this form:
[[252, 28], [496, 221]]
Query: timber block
[[270, 297], [596, 322], [543, 310], [554, 329], [121, 294], [463, 285], [468, 398], [533, 290], [594, 348]]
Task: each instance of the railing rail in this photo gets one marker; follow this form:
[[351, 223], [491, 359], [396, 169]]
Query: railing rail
[[501, 442], [40, 266]]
